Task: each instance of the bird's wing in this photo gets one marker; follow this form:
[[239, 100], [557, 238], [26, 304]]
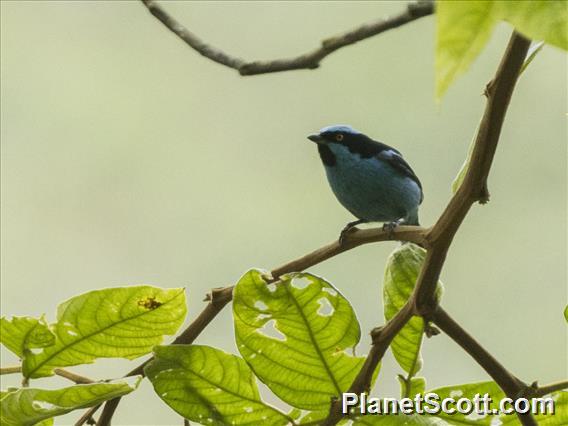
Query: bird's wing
[[394, 158]]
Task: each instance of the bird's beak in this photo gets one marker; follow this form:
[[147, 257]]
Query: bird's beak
[[315, 138]]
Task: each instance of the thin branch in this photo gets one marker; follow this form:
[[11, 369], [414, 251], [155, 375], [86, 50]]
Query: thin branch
[[10, 370], [219, 297], [539, 391], [382, 338], [80, 380], [309, 60], [76, 378], [439, 238], [510, 384]]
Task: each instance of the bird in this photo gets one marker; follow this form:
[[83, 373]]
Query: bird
[[369, 178]]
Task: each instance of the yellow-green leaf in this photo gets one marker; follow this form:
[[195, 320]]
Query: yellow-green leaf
[[20, 334], [462, 30], [125, 322], [29, 406]]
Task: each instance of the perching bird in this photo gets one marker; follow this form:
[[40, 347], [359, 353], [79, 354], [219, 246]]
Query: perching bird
[[369, 178]]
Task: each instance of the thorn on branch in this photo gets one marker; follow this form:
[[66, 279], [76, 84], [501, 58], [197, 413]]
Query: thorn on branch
[[430, 330]]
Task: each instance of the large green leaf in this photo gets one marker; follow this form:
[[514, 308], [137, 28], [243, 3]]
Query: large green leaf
[[28, 406], [20, 334], [294, 335], [464, 27], [124, 322], [402, 269], [209, 386], [538, 20], [462, 30]]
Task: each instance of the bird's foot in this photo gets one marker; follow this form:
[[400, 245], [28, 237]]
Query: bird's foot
[[350, 227], [389, 227]]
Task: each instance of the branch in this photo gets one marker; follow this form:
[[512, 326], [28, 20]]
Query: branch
[[382, 338], [511, 385], [80, 380], [539, 391], [474, 188], [219, 297], [309, 60]]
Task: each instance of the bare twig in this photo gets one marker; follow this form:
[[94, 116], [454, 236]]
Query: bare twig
[[10, 370], [80, 380], [309, 60]]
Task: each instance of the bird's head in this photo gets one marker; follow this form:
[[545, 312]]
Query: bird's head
[[338, 134], [342, 142]]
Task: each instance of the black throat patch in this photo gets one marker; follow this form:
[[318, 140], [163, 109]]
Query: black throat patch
[[326, 155]]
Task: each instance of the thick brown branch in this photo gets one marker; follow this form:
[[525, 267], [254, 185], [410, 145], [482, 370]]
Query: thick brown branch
[[474, 186], [439, 238], [308, 60]]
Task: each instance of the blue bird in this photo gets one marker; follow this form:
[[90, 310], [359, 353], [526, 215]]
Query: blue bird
[[369, 178]]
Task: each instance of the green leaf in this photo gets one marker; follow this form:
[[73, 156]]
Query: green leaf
[[20, 334], [294, 335], [566, 313], [209, 386], [403, 266], [462, 30], [538, 20], [464, 27], [410, 388], [494, 391], [124, 322], [28, 406]]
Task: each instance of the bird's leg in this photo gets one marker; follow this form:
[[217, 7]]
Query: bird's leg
[[348, 228]]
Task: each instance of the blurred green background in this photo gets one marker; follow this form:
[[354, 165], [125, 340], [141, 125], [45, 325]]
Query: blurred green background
[[127, 158]]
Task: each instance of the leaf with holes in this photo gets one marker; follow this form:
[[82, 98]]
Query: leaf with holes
[[403, 266], [20, 334], [294, 335], [209, 386], [28, 406], [125, 322]]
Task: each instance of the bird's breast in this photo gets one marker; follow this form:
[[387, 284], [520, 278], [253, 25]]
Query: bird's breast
[[372, 189]]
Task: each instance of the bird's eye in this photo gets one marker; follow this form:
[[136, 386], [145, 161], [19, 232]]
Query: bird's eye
[[339, 137]]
